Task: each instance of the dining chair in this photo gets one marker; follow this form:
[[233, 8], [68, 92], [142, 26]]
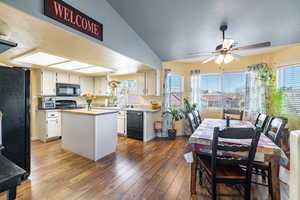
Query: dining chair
[[224, 165], [261, 121], [273, 131], [192, 121], [240, 113], [197, 116]]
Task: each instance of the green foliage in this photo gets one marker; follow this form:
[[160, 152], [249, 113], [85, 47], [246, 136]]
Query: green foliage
[[176, 115], [188, 107], [274, 96]]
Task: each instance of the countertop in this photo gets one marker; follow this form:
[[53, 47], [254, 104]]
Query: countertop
[[128, 109], [90, 112]]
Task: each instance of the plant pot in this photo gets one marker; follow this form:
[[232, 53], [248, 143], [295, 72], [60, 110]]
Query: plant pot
[[172, 134]]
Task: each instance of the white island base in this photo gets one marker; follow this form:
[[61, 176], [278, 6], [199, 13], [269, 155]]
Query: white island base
[[91, 134]]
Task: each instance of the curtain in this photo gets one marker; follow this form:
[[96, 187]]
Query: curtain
[[166, 119], [195, 87], [257, 92]]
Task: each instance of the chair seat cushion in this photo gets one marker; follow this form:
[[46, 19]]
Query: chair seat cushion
[[223, 171]]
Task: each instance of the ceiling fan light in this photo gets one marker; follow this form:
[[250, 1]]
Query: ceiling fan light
[[228, 58], [219, 59]]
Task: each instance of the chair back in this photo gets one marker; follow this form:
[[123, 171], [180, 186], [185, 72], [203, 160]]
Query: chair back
[[192, 121], [240, 113], [223, 153], [261, 121], [197, 115], [275, 129]]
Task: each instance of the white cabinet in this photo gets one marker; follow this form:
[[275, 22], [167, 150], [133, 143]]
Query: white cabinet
[[48, 83], [121, 123], [87, 85], [141, 84], [74, 79], [148, 83], [49, 125], [62, 77], [101, 86]]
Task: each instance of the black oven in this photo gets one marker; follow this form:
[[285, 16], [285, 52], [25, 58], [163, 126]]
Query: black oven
[[63, 89]]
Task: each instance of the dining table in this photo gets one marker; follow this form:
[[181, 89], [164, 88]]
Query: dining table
[[267, 151]]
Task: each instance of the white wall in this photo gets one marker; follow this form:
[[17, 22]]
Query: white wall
[[118, 35]]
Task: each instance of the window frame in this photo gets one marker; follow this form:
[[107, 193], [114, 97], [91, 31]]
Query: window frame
[[279, 86], [222, 86]]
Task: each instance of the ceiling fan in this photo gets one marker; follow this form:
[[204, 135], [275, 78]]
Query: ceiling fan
[[225, 51]]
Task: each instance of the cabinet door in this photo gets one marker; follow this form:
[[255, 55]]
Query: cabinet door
[[101, 86], [48, 83], [62, 77], [151, 83], [141, 86], [121, 125], [87, 85], [53, 128], [74, 79]]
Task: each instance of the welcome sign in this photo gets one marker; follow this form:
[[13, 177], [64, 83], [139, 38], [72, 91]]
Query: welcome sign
[[66, 14]]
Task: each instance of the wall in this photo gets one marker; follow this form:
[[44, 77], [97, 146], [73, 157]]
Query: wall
[[118, 35]]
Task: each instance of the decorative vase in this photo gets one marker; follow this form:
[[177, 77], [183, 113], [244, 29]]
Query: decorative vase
[[89, 107]]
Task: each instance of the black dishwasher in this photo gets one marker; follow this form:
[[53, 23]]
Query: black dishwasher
[[135, 125]]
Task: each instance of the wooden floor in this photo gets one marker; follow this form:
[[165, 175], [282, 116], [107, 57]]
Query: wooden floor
[[153, 170]]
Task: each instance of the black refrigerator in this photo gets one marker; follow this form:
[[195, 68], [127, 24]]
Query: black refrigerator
[[15, 108]]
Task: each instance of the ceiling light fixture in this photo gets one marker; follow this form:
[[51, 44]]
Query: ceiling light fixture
[[90, 70], [219, 59], [40, 58], [71, 65], [228, 58]]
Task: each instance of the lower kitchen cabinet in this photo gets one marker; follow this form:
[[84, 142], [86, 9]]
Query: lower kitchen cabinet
[[49, 125]]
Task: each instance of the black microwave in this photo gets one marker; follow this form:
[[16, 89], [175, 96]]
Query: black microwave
[[63, 89]]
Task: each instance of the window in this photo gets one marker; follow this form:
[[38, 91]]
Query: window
[[175, 90], [220, 91], [289, 81], [127, 92]]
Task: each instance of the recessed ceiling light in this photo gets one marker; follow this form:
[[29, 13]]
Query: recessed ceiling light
[[40, 58], [93, 70], [70, 65]]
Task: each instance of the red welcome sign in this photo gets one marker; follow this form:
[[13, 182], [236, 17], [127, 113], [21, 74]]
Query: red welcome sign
[[66, 14]]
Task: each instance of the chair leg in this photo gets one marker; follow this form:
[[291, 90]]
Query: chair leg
[[12, 194], [214, 190], [200, 175], [248, 191], [270, 185]]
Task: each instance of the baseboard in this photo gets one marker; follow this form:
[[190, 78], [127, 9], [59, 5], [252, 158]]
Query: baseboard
[[34, 138]]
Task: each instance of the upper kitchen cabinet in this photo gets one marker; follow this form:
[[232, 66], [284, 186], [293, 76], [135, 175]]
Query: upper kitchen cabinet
[[48, 83], [62, 77], [148, 83], [101, 86], [74, 79], [87, 85]]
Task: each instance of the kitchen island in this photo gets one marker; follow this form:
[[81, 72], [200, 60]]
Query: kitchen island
[[91, 134]]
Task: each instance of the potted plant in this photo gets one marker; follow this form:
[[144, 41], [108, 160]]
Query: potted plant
[[176, 115], [89, 99]]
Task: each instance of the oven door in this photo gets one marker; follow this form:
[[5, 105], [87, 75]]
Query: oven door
[[67, 89]]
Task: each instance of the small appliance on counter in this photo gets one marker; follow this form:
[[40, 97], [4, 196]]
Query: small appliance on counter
[[46, 103], [71, 90], [66, 104]]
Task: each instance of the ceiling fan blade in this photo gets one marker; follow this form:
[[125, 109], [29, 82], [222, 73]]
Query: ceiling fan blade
[[209, 59], [236, 56], [259, 45], [227, 43]]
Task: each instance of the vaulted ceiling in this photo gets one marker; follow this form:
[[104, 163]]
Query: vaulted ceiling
[[176, 29]]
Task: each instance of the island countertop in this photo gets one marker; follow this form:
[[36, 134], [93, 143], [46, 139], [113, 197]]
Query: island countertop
[[90, 112]]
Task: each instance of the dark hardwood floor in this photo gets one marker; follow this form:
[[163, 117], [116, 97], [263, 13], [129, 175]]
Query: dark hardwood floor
[[153, 170]]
